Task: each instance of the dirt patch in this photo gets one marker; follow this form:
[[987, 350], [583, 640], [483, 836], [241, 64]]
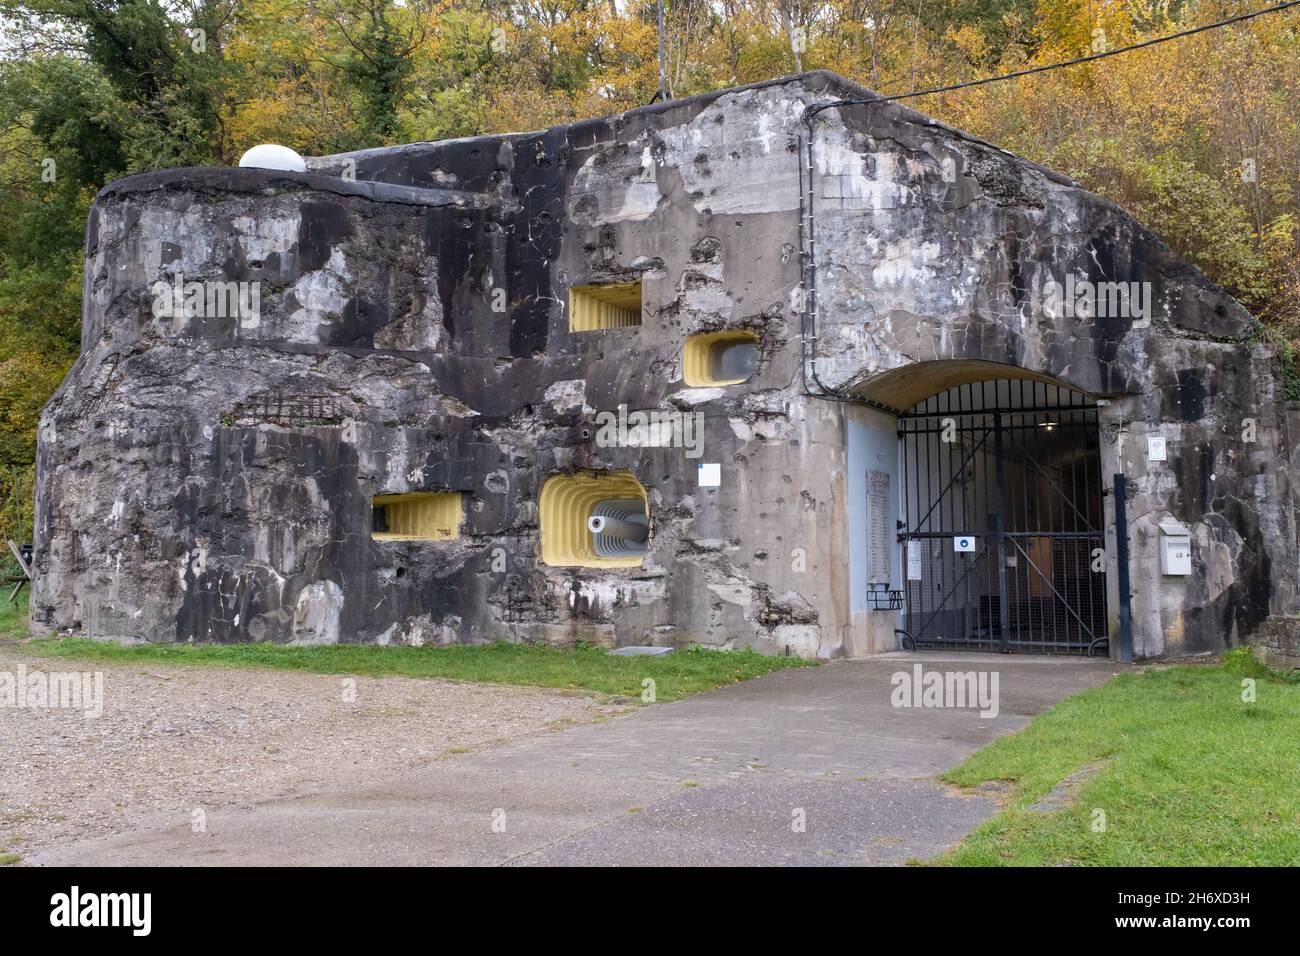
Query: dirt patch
[[181, 739], [1066, 792]]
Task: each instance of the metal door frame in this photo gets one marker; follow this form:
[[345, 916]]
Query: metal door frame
[[1000, 426]]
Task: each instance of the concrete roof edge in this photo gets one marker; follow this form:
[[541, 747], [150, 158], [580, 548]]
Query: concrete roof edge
[[827, 78], [834, 85], [251, 180]]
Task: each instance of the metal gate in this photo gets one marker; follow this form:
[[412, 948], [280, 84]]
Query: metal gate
[[1002, 519]]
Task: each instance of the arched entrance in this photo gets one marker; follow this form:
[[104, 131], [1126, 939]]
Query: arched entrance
[[1001, 518]]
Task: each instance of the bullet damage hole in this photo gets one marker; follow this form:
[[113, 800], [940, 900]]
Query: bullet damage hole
[[612, 306], [594, 520], [719, 358], [418, 516]]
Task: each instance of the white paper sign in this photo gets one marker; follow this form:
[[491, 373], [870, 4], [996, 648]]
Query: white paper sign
[[710, 474], [963, 542], [1155, 448], [914, 560]]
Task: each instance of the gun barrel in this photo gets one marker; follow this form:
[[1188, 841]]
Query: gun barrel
[[618, 528]]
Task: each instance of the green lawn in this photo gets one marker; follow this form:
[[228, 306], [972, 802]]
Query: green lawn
[[583, 667], [13, 620], [1189, 774]]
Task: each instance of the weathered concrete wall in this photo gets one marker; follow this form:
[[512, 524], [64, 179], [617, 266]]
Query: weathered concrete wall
[[872, 445], [210, 478], [935, 247], [1277, 642], [178, 500]]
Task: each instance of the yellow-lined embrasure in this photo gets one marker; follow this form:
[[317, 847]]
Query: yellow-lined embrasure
[[563, 508], [613, 306], [697, 357], [421, 516]]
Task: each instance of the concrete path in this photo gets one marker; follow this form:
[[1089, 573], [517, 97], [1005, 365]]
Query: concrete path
[[811, 766]]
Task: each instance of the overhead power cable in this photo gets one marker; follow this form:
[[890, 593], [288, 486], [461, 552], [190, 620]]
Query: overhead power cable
[[807, 244], [862, 101]]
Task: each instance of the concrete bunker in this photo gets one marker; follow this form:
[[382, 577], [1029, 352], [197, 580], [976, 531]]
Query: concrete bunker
[[422, 328]]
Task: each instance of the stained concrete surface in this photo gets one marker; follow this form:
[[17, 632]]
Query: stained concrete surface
[[718, 778], [208, 473]]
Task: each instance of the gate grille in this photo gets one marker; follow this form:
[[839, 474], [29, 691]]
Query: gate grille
[[1003, 519]]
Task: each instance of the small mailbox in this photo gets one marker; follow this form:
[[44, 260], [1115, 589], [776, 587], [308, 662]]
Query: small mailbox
[[1175, 548]]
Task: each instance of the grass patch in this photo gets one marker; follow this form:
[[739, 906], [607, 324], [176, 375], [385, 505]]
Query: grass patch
[[1191, 775], [9, 859], [584, 667], [13, 619]]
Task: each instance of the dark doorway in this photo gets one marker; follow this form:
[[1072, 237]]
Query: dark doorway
[[1003, 520]]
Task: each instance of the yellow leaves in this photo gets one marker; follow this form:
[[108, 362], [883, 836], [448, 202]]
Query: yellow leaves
[[970, 42], [1165, 131], [278, 117], [1280, 235]]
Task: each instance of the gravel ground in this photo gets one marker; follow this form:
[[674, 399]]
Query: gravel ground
[[179, 739]]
